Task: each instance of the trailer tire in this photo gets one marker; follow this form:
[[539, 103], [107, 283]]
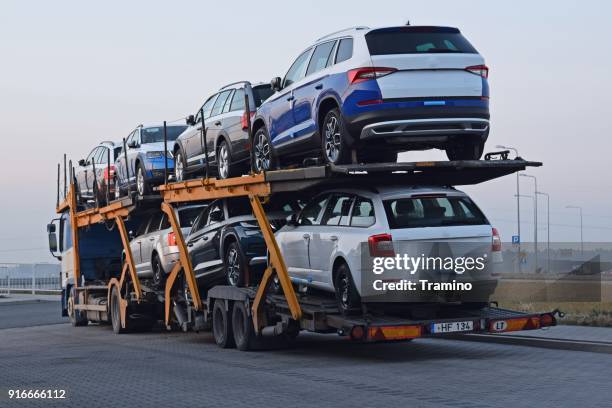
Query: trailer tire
[[115, 312], [244, 332], [223, 332], [77, 318]]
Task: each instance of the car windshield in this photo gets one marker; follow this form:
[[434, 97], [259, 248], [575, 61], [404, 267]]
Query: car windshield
[[418, 40], [261, 93], [156, 134], [432, 211], [188, 215]]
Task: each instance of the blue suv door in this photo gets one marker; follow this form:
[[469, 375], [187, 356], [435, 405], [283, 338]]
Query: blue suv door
[[281, 104], [306, 92]]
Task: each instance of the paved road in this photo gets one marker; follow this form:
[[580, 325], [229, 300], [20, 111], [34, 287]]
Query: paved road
[[30, 313], [100, 369]]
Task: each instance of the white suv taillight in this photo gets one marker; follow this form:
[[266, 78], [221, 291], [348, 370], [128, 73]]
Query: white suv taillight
[[480, 70], [496, 245], [364, 74]]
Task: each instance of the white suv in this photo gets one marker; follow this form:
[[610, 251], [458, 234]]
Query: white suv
[[322, 245]]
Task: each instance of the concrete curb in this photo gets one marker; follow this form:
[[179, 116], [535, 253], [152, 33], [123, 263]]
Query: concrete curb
[[542, 342]]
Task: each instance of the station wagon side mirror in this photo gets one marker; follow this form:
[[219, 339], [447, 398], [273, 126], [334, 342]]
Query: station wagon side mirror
[[131, 235], [190, 120], [275, 83], [82, 163], [132, 144], [293, 220]]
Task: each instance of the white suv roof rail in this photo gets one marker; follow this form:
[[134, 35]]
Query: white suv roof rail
[[341, 31]]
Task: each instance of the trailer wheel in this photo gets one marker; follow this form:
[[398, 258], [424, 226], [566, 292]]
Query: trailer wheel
[[244, 332], [222, 325], [77, 318], [115, 309], [346, 293]]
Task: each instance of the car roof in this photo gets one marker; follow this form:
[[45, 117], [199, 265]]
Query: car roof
[[363, 30], [238, 84], [386, 192]]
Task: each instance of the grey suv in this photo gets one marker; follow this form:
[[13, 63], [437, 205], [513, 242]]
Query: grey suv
[[227, 140], [154, 246]]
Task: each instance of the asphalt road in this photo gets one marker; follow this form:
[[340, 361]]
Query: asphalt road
[[99, 369], [30, 313]]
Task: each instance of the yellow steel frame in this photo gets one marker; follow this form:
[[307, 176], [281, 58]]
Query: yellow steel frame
[[184, 263], [254, 187], [117, 211]]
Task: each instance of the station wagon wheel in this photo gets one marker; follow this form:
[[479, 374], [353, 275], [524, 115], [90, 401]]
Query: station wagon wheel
[[179, 167], [234, 265], [223, 160], [159, 275], [347, 296], [117, 188], [264, 156], [333, 140], [142, 186]]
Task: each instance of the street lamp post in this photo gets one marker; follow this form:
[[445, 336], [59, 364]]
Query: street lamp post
[[535, 217], [581, 236], [534, 209], [518, 203], [547, 228]]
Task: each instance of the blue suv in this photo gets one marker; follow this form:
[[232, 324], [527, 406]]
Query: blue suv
[[363, 95], [145, 159]]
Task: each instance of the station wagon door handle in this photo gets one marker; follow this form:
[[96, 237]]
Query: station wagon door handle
[[290, 98], [319, 87], [218, 123], [205, 237], [333, 238], [152, 239]]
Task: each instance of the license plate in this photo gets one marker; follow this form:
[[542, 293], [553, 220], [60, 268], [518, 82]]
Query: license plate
[[452, 327]]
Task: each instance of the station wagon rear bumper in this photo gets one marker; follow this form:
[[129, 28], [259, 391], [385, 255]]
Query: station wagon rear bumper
[[423, 130]]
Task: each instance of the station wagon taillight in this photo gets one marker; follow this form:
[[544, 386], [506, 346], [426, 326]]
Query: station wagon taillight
[[480, 70], [496, 245], [171, 239], [244, 121], [109, 172], [381, 245], [364, 74]]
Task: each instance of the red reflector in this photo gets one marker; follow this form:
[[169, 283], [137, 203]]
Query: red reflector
[[547, 320], [370, 102], [357, 333]]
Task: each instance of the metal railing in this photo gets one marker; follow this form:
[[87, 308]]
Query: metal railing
[[28, 284]]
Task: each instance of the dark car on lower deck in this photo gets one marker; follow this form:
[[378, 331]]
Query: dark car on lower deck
[[226, 245]]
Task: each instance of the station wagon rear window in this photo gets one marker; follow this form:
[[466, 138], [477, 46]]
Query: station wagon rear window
[[418, 40], [156, 134], [261, 93], [432, 211]]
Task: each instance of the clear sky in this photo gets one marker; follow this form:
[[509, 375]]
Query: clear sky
[[73, 73]]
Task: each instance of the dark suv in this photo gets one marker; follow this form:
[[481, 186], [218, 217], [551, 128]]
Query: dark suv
[[227, 139], [225, 243]]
